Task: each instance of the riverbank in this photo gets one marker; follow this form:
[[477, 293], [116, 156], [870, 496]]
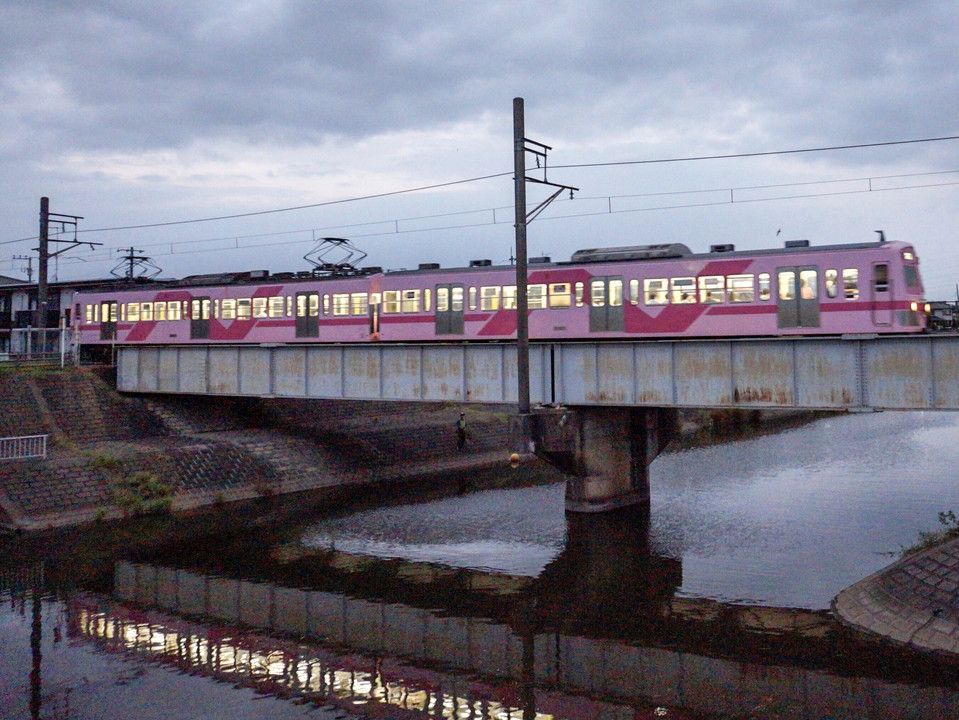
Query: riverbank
[[912, 603], [112, 456]]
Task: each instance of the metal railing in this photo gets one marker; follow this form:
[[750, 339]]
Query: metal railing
[[23, 447]]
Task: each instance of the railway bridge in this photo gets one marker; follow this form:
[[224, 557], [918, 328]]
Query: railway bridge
[[603, 410]]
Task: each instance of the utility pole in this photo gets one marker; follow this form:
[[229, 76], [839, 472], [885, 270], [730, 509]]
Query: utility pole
[[521, 146], [29, 259], [44, 253]]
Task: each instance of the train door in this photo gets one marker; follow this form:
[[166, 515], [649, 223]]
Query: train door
[[449, 309], [798, 297], [881, 295], [200, 318], [606, 304], [108, 320], [307, 315]]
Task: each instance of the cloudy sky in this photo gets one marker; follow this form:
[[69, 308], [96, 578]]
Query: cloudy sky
[[133, 113]]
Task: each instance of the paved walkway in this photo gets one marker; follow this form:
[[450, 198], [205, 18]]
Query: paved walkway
[[913, 602]]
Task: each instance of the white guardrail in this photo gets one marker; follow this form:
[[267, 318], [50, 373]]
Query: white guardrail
[[23, 447]]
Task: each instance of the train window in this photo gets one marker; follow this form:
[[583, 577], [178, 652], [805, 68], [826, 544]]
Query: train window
[[146, 311], [787, 284], [634, 292], [88, 313], [359, 303], [243, 309], [850, 283], [200, 309], [489, 297], [472, 298], [808, 284], [442, 299], [133, 312], [655, 291], [559, 296], [326, 304], [391, 301], [536, 297], [712, 289], [881, 277], [832, 283], [427, 300], [289, 306], [683, 290], [509, 297], [159, 311], [341, 303], [411, 301], [739, 288], [228, 309], [216, 309], [173, 310], [597, 293], [912, 277], [456, 299], [276, 307], [615, 292], [259, 307], [764, 292], [578, 292]]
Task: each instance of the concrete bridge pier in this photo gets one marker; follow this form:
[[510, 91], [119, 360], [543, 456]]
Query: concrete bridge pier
[[605, 450]]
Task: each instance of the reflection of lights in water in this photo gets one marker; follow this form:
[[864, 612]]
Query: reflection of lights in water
[[227, 659]]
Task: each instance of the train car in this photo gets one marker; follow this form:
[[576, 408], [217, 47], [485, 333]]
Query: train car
[[653, 291]]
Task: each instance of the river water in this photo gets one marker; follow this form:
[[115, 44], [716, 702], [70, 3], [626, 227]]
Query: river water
[[495, 604]]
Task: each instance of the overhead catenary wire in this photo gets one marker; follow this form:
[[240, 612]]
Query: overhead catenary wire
[[451, 183]]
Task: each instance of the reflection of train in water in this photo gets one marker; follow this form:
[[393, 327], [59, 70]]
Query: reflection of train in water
[[655, 291]]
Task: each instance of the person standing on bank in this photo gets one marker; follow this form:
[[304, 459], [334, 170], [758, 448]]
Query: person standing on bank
[[461, 432]]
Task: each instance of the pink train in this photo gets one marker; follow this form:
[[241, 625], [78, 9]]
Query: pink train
[[654, 291]]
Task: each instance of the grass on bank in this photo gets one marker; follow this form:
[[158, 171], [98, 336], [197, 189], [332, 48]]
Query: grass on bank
[[932, 538]]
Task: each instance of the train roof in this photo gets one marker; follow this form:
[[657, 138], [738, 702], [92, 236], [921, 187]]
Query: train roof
[[630, 253]]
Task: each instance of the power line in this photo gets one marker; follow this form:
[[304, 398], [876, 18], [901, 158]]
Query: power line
[[396, 229], [733, 156], [503, 174]]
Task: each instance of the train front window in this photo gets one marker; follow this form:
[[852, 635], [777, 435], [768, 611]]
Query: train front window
[[654, 290], [683, 290], [850, 283], [739, 288], [912, 277]]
